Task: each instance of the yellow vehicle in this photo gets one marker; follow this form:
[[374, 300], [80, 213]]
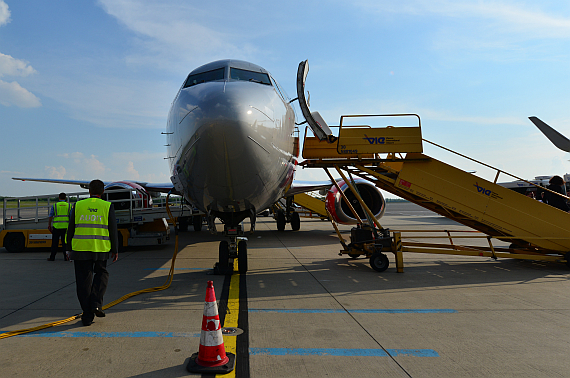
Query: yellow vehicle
[[535, 230], [25, 221]]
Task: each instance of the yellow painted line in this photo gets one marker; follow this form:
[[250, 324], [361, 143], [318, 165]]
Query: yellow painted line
[[231, 319]]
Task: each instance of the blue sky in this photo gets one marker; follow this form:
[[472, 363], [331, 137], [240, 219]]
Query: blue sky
[[85, 86]]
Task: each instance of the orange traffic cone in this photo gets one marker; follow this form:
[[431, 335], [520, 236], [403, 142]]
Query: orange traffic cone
[[211, 357]]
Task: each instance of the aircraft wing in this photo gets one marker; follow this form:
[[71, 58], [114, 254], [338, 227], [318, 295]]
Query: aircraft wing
[[554, 136], [153, 187], [307, 186], [297, 187], [82, 183]]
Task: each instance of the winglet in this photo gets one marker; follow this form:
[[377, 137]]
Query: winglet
[[554, 136]]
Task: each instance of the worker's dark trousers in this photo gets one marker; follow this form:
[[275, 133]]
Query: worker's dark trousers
[[56, 234], [91, 280]]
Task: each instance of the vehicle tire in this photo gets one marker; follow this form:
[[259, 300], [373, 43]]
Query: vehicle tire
[[197, 223], [224, 254], [242, 257], [281, 221], [14, 242], [295, 221], [183, 224], [379, 261], [120, 247]]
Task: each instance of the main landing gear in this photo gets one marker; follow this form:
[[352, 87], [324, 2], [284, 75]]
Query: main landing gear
[[288, 216]]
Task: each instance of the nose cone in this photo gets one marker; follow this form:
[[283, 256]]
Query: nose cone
[[230, 145]]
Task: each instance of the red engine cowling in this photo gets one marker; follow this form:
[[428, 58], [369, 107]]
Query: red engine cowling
[[140, 197], [340, 211]]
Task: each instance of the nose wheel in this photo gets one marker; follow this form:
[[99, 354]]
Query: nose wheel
[[236, 248]]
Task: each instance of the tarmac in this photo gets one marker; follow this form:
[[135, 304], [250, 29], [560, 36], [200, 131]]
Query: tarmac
[[304, 310]]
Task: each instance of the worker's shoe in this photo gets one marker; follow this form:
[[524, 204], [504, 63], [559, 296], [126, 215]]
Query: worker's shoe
[[50, 259], [87, 320], [98, 312]]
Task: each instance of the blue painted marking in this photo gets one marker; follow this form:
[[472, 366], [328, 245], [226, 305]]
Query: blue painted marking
[[298, 311], [342, 352], [253, 351], [110, 334], [406, 311], [177, 268], [413, 352], [358, 311]]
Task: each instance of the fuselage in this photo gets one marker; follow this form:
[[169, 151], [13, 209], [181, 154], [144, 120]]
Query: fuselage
[[231, 138]]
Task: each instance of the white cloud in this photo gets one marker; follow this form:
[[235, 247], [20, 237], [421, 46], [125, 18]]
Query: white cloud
[[13, 94], [114, 102], [173, 30], [94, 166], [4, 13], [495, 25], [55, 173], [509, 14], [87, 166], [138, 156], [14, 67], [132, 172]]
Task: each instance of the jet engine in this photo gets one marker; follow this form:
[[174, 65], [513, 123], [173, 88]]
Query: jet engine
[[340, 211], [139, 195]]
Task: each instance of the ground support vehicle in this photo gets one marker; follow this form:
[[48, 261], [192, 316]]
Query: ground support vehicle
[[25, 219], [535, 231]]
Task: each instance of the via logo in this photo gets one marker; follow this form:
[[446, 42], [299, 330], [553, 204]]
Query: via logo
[[373, 140], [480, 189], [92, 210]]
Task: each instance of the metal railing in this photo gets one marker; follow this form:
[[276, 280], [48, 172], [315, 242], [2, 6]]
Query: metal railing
[[499, 171], [37, 208]]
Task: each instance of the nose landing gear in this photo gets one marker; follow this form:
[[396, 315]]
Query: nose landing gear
[[236, 248]]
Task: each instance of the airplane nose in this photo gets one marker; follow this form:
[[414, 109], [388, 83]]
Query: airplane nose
[[230, 146], [223, 129]]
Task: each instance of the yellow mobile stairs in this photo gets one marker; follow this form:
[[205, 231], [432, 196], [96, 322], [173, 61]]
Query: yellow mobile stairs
[[535, 230]]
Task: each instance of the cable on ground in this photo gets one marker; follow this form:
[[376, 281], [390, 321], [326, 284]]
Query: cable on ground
[[123, 298]]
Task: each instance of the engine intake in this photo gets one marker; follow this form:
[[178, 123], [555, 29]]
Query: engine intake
[[340, 211]]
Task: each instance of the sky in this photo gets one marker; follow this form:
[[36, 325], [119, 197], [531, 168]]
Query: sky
[[86, 85]]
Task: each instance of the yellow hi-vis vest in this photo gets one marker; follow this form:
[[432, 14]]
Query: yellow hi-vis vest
[[91, 226], [61, 214]]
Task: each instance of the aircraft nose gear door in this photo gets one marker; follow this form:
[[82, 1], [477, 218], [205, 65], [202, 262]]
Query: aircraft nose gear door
[[314, 119]]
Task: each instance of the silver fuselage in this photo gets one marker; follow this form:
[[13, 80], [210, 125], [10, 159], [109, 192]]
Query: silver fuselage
[[231, 144]]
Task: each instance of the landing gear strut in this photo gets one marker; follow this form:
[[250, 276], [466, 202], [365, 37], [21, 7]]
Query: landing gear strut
[[236, 247], [229, 251], [288, 216]]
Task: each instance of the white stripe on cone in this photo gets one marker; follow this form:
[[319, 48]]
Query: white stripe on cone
[[211, 340]]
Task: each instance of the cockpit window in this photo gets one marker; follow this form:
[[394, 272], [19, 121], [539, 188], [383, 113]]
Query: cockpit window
[[244, 75], [217, 74]]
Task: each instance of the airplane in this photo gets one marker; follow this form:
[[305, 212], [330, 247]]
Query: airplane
[[232, 150]]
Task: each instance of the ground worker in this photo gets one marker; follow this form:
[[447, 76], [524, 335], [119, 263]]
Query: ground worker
[[57, 224], [92, 239]]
